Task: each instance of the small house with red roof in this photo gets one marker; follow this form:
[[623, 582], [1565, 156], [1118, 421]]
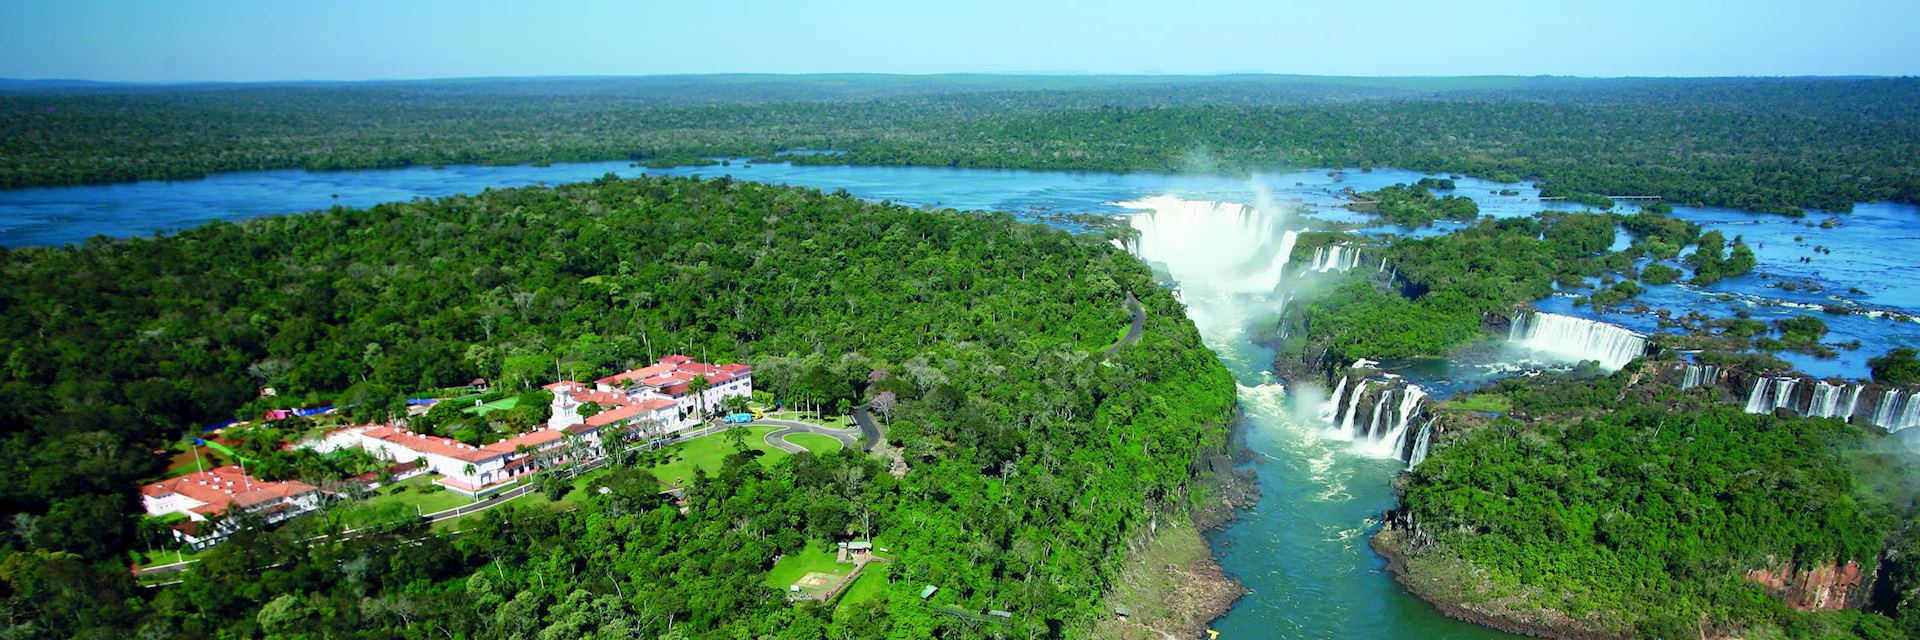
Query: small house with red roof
[[212, 500]]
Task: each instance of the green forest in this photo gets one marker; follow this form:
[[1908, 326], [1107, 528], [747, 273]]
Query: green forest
[[1033, 458], [1778, 145], [1640, 509]]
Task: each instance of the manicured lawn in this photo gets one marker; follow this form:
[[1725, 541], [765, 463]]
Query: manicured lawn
[[166, 556], [497, 405], [795, 566], [820, 445], [399, 501], [870, 584], [837, 422], [708, 452]]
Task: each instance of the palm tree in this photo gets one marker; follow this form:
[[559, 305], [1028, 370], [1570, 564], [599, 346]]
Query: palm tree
[[698, 386]]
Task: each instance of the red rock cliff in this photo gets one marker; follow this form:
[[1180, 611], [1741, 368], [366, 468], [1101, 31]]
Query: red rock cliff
[[1822, 588]]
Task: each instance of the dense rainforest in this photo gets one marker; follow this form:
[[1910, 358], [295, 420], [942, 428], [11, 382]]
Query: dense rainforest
[[1780, 145], [1620, 506], [1034, 458]]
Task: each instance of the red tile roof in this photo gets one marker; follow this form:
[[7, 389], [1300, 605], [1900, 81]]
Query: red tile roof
[[531, 438], [223, 487], [435, 445]]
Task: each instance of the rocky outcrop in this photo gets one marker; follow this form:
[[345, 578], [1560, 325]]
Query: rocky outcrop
[[1828, 587]]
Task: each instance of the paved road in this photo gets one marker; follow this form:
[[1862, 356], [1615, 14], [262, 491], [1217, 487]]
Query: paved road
[[1139, 327], [778, 439]]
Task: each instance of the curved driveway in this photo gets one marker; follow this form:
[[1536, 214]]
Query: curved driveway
[[848, 438]]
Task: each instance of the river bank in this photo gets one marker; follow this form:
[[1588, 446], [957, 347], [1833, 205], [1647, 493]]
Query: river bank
[[1450, 587], [1172, 585]]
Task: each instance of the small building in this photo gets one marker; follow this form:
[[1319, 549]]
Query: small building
[[928, 591], [854, 552], [213, 500]]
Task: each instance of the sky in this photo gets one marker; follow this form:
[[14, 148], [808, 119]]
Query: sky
[[269, 40]]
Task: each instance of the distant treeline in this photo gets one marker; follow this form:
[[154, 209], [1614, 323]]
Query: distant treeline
[[1777, 145]]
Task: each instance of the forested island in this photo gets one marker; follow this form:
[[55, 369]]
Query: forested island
[[1637, 503], [1778, 145], [1034, 449]]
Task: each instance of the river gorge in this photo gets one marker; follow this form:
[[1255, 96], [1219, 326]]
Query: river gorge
[[1325, 449]]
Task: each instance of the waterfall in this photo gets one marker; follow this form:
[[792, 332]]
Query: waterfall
[[1897, 410], [1383, 265], [1373, 425], [1852, 401], [1411, 397], [1346, 425], [1700, 375], [1332, 408], [1833, 400], [1227, 246], [1772, 393], [1754, 397], [1335, 257], [1386, 430], [1577, 339], [1419, 453], [1783, 392]]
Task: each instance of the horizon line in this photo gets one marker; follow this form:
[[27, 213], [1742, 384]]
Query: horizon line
[[936, 74]]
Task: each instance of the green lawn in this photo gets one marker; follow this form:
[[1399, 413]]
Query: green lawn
[[165, 556], [497, 405], [707, 452], [820, 445], [816, 558], [871, 583], [837, 422], [401, 500]]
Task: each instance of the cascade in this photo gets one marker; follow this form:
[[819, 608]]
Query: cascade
[[1833, 400], [1577, 339], [1230, 247], [1387, 429], [1852, 401], [1373, 425], [1826, 400], [1411, 397], [1783, 391], [1353, 406], [1334, 257], [1772, 393], [1419, 453], [1754, 397], [1700, 375], [1329, 411], [1897, 410]]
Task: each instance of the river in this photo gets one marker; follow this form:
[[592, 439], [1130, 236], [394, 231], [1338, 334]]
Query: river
[[1303, 550]]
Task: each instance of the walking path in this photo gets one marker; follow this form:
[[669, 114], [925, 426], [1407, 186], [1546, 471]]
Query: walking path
[[1134, 332]]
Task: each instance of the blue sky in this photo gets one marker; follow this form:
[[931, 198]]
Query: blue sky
[[256, 40]]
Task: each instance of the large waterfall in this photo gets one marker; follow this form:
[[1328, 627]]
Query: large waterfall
[[1387, 428], [1222, 245], [1577, 339]]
